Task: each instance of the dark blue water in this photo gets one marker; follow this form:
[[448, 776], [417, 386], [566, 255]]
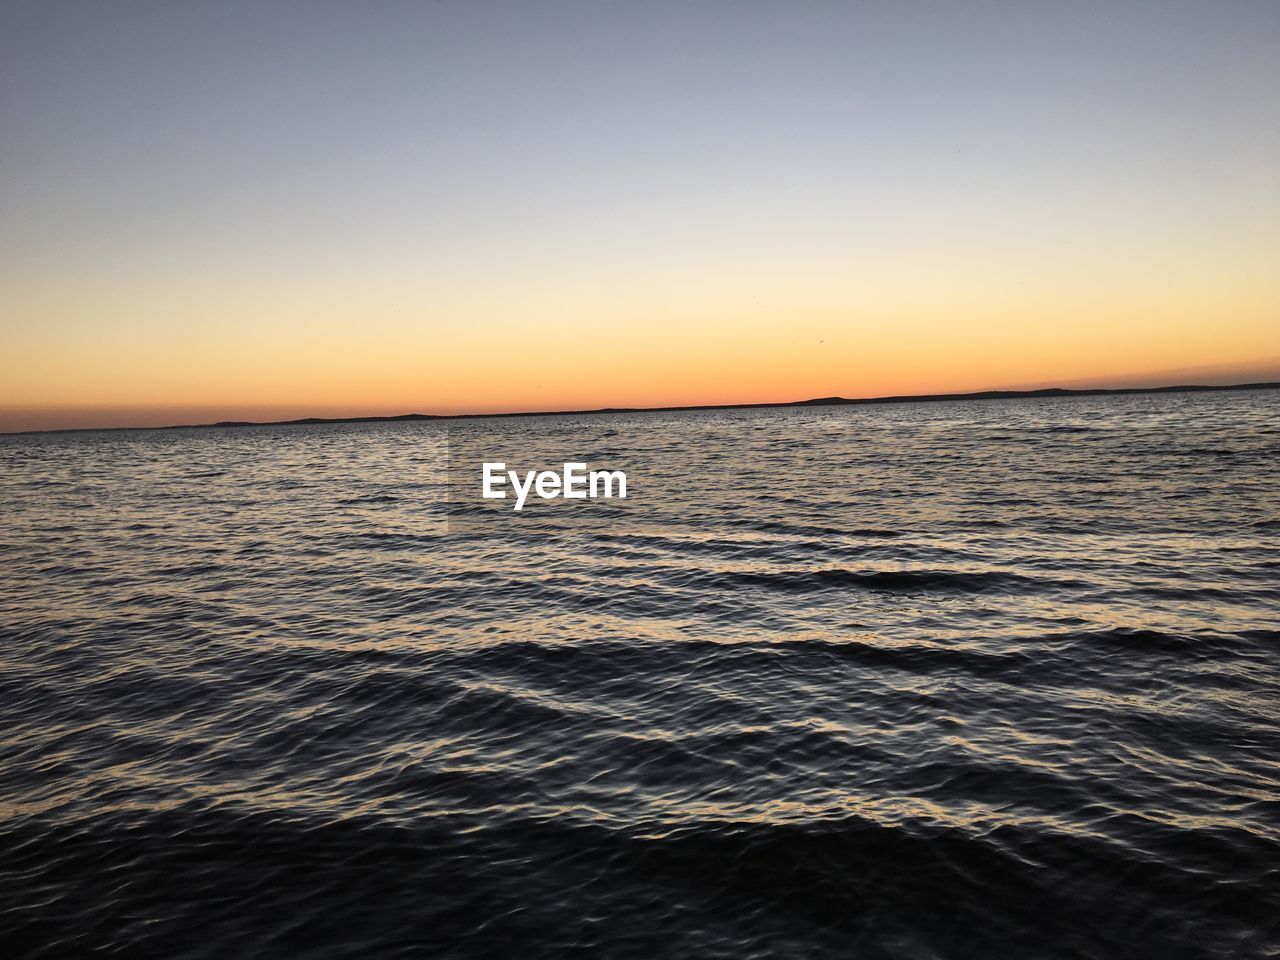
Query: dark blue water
[[966, 680]]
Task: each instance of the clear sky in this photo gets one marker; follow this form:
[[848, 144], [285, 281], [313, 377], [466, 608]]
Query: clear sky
[[256, 209]]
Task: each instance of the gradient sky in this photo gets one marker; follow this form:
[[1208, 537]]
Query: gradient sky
[[275, 209]]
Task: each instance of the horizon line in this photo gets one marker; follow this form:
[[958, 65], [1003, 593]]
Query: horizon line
[[1041, 392]]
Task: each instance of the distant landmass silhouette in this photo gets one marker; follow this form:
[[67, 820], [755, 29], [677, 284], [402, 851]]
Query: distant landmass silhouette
[[816, 402]]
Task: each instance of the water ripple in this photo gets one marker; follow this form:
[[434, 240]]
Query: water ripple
[[965, 680]]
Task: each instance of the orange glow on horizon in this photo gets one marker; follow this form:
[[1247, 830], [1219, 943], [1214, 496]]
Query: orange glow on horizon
[[348, 347], [615, 211]]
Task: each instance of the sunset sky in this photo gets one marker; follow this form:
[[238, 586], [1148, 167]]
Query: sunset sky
[[259, 210]]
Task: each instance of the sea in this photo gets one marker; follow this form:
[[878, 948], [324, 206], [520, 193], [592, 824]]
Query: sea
[[973, 679]]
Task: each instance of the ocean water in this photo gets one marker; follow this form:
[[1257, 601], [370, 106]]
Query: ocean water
[[951, 680]]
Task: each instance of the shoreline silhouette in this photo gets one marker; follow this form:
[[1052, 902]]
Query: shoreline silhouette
[[1045, 392]]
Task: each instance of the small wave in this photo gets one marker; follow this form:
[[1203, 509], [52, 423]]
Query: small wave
[[370, 498], [894, 581]]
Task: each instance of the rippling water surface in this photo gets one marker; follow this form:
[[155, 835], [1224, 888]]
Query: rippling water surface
[[983, 679]]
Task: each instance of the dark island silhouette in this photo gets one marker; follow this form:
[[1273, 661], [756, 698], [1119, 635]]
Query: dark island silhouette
[[815, 402]]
